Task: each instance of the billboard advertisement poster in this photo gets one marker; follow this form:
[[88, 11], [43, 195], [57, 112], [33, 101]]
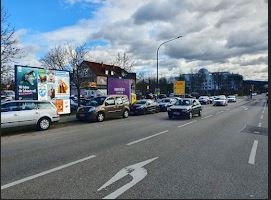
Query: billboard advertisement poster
[[26, 82], [119, 86], [179, 87], [42, 86], [62, 84]]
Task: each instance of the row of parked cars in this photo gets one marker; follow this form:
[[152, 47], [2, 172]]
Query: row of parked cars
[[43, 113]]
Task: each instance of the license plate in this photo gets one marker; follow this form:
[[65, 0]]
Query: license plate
[[176, 113]]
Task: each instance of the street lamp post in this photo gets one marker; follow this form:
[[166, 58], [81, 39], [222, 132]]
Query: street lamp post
[[157, 83]]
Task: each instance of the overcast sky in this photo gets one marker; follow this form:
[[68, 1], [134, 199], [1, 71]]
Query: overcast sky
[[219, 35]]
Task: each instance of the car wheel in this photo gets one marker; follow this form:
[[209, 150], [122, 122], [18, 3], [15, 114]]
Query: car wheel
[[125, 114], [199, 113], [43, 124], [100, 117], [170, 116], [144, 111], [190, 115], [157, 110]]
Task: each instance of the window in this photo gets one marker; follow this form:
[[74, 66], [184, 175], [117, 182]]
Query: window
[[45, 105], [9, 107], [110, 101], [125, 99], [112, 73], [119, 101], [106, 72], [28, 106]]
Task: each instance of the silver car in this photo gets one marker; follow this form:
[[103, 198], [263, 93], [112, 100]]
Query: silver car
[[28, 112]]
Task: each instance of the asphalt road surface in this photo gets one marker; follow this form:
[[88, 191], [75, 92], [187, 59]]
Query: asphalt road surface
[[222, 154]]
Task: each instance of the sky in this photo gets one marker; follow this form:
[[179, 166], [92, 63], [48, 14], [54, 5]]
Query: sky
[[219, 35]]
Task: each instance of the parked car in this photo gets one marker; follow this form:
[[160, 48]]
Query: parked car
[[9, 94], [211, 98], [149, 96], [220, 100], [74, 105], [165, 103], [186, 107], [28, 112], [231, 98], [104, 107], [144, 106], [204, 100]]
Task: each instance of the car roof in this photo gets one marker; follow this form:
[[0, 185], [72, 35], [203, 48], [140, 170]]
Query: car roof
[[25, 101]]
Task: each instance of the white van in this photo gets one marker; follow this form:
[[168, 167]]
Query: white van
[[28, 112]]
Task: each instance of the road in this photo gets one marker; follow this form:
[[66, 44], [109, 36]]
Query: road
[[222, 154]]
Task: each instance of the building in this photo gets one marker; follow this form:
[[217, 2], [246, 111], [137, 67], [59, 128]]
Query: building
[[94, 77], [211, 83]]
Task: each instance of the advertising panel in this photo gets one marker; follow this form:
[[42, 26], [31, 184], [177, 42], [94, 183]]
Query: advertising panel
[[41, 84], [179, 87], [119, 86], [26, 82]]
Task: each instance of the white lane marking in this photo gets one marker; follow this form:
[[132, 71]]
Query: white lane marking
[[246, 109], [263, 111], [260, 124], [137, 172], [207, 117], [261, 116], [145, 138], [45, 172], [256, 132], [253, 153], [220, 112], [187, 123], [228, 109]]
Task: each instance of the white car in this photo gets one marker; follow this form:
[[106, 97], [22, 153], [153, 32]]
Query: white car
[[220, 100], [28, 112], [231, 98], [204, 99]]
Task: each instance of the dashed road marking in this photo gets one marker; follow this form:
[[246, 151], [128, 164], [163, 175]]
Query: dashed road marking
[[45, 172], [261, 116], [207, 117], [220, 112], [146, 138], [187, 123], [252, 156], [260, 124]]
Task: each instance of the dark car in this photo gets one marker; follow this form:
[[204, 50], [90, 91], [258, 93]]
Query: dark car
[[185, 108], [149, 96], [165, 103], [144, 106], [100, 108]]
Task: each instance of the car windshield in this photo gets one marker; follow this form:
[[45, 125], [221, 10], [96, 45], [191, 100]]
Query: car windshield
[[166, 100], [220, 98], [231, 96], [183, 102], [96, 101], [141, 102]]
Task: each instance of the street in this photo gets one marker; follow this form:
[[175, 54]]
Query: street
[[222, 154]]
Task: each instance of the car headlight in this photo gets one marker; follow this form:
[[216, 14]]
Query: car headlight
[[92, 109]]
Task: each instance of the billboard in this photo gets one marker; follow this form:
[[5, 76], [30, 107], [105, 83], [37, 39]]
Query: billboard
[[119, 86], [45, 85], [179, 87], [26, 80]]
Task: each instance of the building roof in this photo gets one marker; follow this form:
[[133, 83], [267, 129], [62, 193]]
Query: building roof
[[100, 68]]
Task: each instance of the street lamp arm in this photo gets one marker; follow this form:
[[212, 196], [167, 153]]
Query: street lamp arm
[[157, 55]]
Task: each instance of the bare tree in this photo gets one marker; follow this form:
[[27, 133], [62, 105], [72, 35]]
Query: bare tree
[[9, 45], [56, 58], [75, 56], [124, 62]]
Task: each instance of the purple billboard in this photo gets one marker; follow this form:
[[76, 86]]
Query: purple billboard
[[119, 86]]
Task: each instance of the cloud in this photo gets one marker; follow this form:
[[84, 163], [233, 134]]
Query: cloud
[[218, 35]]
